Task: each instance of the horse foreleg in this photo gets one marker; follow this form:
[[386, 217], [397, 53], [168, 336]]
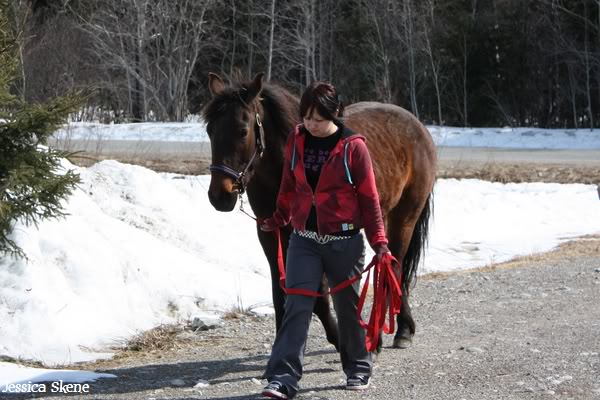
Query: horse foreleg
[[323, 311], [278, 298], [270, 247]]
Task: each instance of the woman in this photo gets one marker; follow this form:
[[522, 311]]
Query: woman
[[328, 194]]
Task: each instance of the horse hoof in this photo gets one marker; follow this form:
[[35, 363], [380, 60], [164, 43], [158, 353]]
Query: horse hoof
[[402, 342], [374, 356]]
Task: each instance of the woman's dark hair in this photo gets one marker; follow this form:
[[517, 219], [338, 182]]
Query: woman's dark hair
[[323, 97]]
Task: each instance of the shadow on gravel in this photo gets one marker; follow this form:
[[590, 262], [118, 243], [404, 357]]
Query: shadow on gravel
[[320, 352], [303, 394], [162, 376]]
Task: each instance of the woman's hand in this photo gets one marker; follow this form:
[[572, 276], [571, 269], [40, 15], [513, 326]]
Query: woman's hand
[[268, 225], [381, 250]]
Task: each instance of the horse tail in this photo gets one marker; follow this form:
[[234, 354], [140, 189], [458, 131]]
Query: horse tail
[[417, 245]]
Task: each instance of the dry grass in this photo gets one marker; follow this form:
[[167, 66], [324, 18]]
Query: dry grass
[[162, 337], [521, 172], [236, 313], [23, 362], [173, 164]]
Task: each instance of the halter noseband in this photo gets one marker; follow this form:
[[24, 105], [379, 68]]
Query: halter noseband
[[259, 148]]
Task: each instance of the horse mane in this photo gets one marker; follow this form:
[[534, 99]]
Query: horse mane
[[283, 108], [278, 102]]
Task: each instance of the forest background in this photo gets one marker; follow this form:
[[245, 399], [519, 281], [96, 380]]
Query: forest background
[[450, 62]]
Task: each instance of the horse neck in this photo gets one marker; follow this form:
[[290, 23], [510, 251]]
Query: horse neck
[[278, 127], [270, 168], [268, 174]]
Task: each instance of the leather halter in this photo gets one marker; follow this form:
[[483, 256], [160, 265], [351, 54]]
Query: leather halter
[[259, 148]]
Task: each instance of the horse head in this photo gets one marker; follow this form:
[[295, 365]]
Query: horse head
[[233, 122]]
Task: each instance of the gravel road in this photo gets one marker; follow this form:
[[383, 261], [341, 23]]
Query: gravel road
[[522, 331], [527, 331]]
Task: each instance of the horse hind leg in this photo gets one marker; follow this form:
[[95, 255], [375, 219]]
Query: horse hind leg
[[406, 231], [405, 323]]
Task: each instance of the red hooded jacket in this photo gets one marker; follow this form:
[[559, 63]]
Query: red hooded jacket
[[345, 197]]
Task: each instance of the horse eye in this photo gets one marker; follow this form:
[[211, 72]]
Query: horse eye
[[245, 132]]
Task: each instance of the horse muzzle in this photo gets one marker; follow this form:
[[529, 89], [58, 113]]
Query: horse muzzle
[[222, 194]]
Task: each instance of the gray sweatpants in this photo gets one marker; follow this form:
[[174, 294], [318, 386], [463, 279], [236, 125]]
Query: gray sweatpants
[[306, 261]]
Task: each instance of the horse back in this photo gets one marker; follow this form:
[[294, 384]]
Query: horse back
[[402, 150]]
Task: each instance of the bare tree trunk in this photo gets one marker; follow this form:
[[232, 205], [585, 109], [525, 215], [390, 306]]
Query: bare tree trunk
[[234, 33], [271, 34], [22, 68], [573, 93], [435, 64], [322, 17], [21, 11], [251, 41], [408, 30], [464, 82], [331, 46], [587, 69], [139, 99], [307, 73], [313, 39], [380, 64], [465, 93]]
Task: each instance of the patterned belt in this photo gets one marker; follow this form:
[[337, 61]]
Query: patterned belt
[[321, 239]]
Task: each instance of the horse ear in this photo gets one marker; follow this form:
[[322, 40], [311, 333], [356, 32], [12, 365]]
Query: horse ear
[[255, 87], [215, 84]]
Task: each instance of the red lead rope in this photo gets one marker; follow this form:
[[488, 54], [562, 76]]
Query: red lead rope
[[386, 293]]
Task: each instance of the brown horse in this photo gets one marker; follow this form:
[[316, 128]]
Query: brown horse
[[248, 124]]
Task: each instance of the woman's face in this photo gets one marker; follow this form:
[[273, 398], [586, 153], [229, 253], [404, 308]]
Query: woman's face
[[318, 125]]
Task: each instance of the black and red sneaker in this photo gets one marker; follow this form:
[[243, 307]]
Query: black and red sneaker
[[275, 390], [358, 382]]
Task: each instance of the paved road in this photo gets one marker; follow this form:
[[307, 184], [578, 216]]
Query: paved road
[[485, 155], [471, 154], [152, 149]]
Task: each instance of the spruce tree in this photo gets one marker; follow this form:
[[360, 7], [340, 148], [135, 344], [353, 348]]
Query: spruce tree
[[32, 182]]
